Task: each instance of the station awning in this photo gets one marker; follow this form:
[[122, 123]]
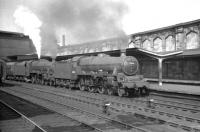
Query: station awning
[[168, 54], [190, 53]]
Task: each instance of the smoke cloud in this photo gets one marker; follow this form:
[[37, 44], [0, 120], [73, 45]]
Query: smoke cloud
[[30, 25], [80, 20]]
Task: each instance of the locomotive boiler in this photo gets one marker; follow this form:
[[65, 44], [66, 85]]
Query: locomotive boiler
[[127, 65]]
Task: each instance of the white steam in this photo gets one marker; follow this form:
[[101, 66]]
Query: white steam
[[30, 24]]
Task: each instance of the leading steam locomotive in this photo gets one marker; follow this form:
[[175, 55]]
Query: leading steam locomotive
[[103, 74]]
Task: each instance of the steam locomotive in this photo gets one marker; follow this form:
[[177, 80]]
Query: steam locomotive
[[103, 74], [2, 70]]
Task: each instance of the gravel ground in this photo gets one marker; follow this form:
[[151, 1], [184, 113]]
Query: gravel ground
[[48, 120]]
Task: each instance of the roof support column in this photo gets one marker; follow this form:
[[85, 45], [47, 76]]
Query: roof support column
[[160, 60]]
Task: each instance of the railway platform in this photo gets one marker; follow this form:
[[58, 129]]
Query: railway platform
[[176, 88]]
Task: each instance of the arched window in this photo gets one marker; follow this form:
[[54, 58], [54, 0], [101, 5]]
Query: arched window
[[105, 48], [192, 40], [157, 45], [146, 45], [97, 50], [114, 48], [170, 45], [91, 50]]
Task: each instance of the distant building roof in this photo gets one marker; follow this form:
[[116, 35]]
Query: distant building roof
[[13, 43], [11, 34], [167, 27]]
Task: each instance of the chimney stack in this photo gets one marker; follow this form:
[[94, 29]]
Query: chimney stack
[[63, 40]]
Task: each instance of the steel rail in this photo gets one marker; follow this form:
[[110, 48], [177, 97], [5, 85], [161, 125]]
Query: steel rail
[[175, 96], [170, 105], [136, 107], [146, 109], [84, 111], [145, 102], [22, 115]]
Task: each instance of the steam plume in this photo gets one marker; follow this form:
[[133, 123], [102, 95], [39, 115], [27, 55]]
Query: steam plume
[[30, 24], [80, 20]]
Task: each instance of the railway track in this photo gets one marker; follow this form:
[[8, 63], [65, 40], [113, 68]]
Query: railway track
[[174, 105], [45, 119], [160, 110], [193, 101], [176, 95], [8, 110], [193, 108], [162, 103], [116, 106], [109, 124]]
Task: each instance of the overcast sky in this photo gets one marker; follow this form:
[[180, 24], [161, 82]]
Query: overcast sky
[[90, 20], [143, 14], [152, 14]]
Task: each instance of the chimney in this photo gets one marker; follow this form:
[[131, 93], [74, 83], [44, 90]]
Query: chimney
[[123, 52], [63, 40]]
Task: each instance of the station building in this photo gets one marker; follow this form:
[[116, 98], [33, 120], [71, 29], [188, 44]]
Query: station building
[[183, 67], [185, 37], [13, 44]]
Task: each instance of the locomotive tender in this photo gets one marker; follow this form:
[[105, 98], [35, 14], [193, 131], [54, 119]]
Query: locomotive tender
[[2, 70], [103, 74]]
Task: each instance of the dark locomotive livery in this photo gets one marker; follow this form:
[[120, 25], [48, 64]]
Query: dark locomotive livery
[[103, 74], [34, 71], [2, 70]]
